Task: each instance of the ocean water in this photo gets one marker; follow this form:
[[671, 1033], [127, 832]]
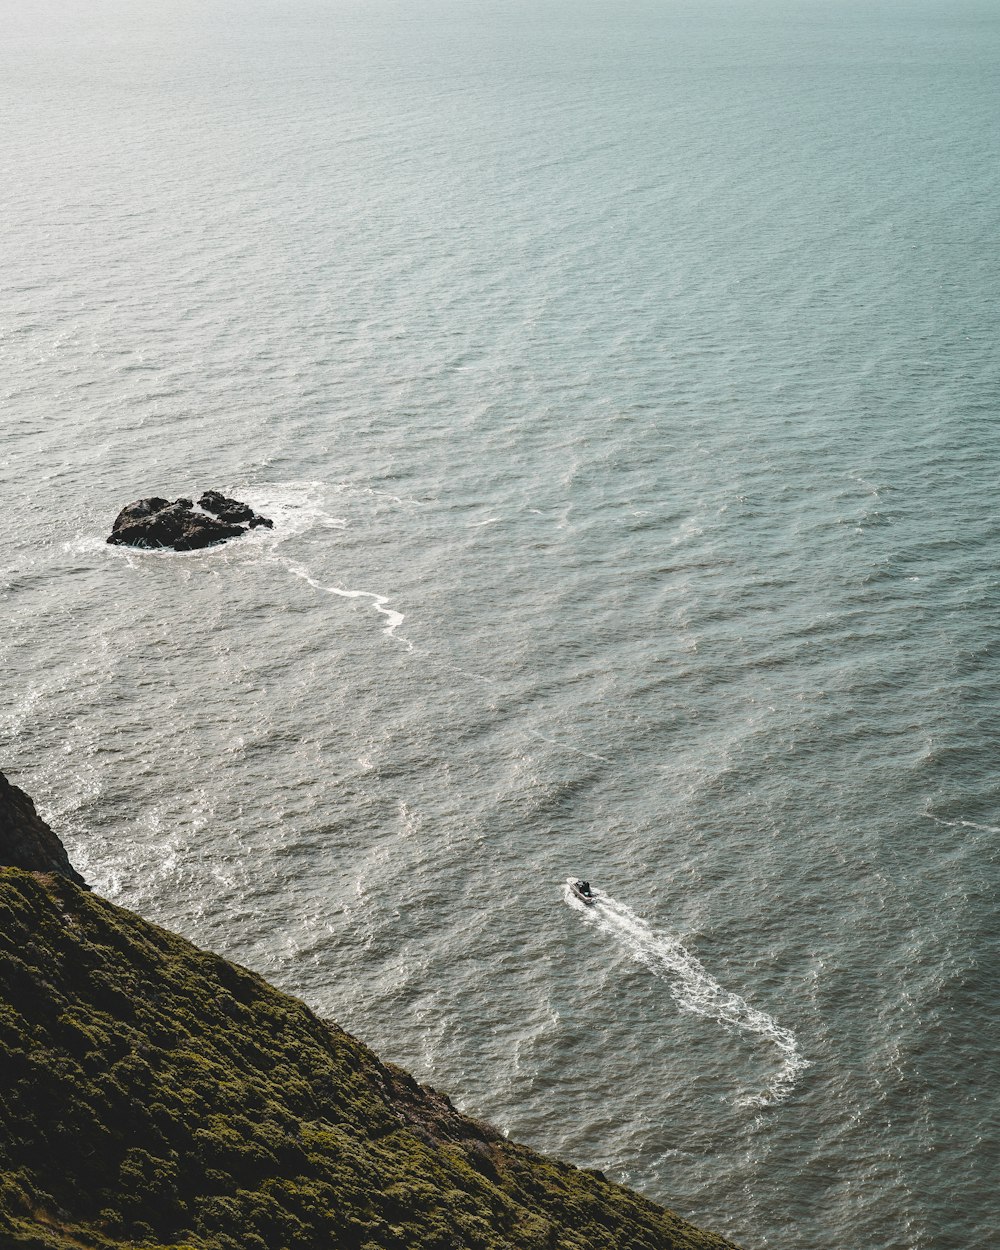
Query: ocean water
[[623, 381]]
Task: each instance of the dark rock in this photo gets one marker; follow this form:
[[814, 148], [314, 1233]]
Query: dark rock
[[26, 841], [132, 513], [232, 510], [156, 523]]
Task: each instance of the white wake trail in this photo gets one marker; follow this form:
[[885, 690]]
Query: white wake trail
[[692, 988]]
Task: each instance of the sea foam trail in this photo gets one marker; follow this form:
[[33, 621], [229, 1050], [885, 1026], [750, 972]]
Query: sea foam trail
[[295, 509], [962, 824], [394, 619], [692, 988]]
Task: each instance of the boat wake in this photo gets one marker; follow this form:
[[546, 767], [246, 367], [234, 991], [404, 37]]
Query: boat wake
[[693, 989]]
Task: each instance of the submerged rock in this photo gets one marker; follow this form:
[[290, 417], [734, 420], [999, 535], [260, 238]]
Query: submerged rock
[[26, 841], [156, 523]]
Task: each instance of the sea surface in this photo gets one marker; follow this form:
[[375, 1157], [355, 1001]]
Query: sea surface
[[623, 380]]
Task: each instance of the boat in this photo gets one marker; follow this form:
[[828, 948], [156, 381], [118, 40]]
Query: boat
[[582, 891]]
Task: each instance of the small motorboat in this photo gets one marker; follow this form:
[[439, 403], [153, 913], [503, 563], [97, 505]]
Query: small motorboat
[[582, 891]]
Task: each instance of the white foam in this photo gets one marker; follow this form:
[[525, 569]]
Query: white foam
[[692, 988], [294, 507], [962, 824], [86, 544], [379, 602]]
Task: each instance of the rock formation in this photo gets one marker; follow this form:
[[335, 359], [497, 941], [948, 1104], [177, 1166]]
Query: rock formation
[[26, 841], [232, 510], [155, 522]]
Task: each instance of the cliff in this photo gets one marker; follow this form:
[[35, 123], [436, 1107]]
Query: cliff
[[157, 1095], [26, 841]]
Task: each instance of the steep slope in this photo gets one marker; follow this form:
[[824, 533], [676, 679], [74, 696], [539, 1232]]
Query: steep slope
[[155, 1094]]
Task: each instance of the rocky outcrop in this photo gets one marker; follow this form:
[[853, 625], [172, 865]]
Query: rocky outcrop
[[154, 522], [26, 841], [232, 510]]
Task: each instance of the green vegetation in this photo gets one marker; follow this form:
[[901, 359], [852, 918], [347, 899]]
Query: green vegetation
[[155, 1095]]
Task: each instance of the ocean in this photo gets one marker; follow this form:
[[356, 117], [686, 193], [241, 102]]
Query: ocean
[[622, 380]]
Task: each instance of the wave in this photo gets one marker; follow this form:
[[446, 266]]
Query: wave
[[692, 988]]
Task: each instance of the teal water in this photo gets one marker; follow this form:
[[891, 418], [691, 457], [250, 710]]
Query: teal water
[[622, 380]]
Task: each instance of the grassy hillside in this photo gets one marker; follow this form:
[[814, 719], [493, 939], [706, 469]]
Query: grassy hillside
[[156, 1095]]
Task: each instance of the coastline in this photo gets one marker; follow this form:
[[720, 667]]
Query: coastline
[[163, 1096]]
